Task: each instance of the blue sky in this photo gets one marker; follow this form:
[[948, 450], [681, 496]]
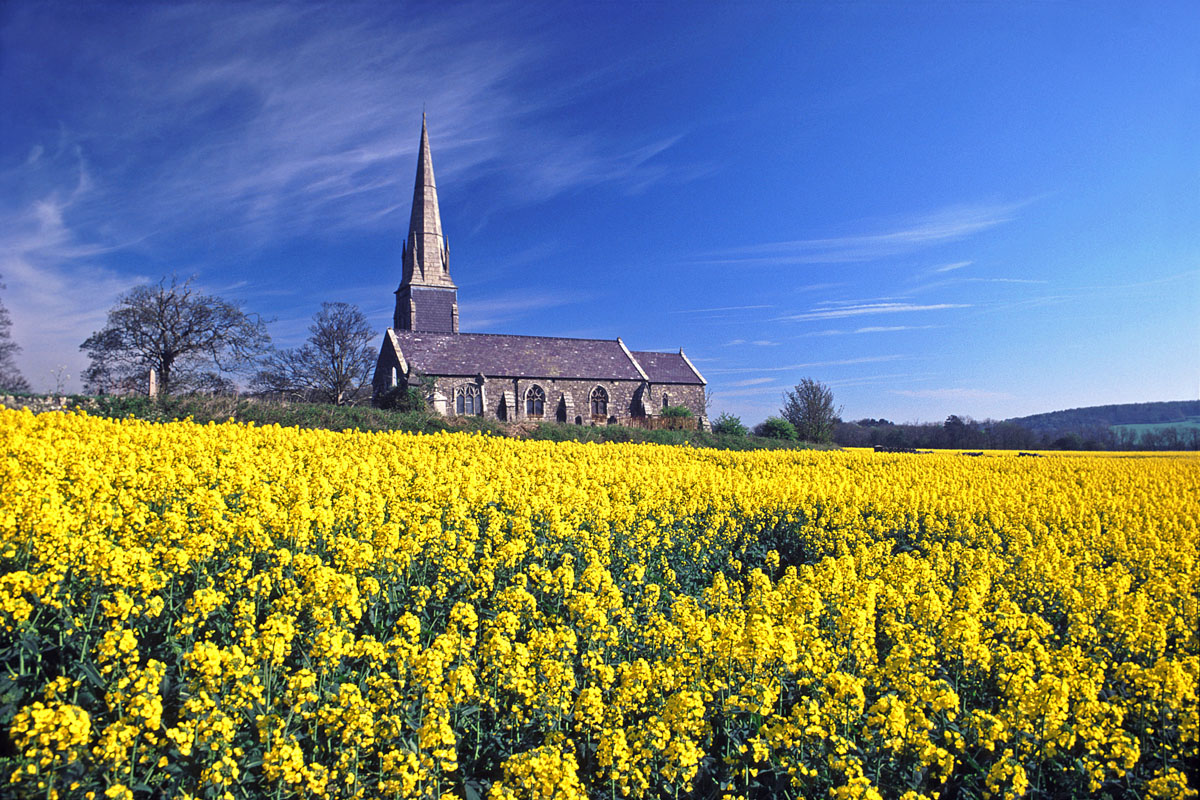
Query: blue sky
[[989, 209]]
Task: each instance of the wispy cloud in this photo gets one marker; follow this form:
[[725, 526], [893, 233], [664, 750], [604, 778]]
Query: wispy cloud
[[1187, 275], [946, 225], [260, 129], [767, 391], [752, 382], [755, 342], [809, 365], [952, 394], [584, 160], [56, 294], [870, 329], [950, 267], [539, 253], [719, 308], [53, 311], [891, 377], [891, 328], [259, 125], [869, 308], [1152, 287], [486, 312], [942, 283]]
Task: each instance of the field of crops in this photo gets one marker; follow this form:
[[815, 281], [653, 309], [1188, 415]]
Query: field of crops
[[1183, 426], [225, 611]]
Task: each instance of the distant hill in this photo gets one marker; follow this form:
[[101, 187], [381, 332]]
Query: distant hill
[[1077, 419]]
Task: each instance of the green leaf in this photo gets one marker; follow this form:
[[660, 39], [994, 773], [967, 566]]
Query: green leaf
[[92, 674]]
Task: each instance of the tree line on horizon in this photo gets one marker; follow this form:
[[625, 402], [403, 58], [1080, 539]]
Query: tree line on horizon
[[969, 434], [956, 433], [196, 343]]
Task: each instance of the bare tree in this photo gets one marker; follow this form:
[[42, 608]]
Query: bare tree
[[334, 364], [194, 341], [11, 379], [61, 376], [809, 407]]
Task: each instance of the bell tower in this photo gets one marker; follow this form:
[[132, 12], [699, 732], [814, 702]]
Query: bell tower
[[427, 299]]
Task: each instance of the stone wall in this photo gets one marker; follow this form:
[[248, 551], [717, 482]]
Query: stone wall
[[690, 396], [570, 400], [565, 400], [388, 372]]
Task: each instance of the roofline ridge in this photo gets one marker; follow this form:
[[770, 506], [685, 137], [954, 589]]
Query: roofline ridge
[[633, 361], [391, 338], [688, 361], [515, 336]]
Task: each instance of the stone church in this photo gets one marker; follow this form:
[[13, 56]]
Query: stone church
[[512, 378]]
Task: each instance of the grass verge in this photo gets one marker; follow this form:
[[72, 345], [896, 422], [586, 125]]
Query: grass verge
[[204, 409]]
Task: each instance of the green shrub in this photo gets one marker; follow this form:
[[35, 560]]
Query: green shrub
[[729, 425], [776, 428], [221, 408], [121, 406], [677, 412], [400, 398]]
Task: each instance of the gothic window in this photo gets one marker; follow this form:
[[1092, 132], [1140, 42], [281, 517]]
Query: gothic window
[[535, 401], [666, 400], [468, 401], [599, 402]]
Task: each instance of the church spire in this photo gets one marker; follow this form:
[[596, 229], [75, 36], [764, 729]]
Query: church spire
[[427, 299], [426, 256]]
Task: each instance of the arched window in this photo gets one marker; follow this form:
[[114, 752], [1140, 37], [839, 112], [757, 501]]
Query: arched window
[[468, 401], [535, 401], [666, 400], [599, 400]]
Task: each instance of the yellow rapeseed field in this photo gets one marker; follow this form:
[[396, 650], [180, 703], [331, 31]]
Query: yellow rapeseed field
[[226, 611]]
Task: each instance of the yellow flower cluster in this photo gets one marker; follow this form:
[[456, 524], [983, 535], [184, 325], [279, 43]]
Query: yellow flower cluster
[[231, 611]]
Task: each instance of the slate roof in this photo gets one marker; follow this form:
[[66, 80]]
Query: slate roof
[[501, 355], [667, 367]]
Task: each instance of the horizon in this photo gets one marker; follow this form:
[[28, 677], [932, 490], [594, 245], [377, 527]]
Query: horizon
[[981, 210]]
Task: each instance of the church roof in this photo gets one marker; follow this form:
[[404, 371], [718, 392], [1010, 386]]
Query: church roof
[[501, 355], [668, 367]]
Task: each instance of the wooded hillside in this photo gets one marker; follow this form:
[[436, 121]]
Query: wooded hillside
[[1106, 416]]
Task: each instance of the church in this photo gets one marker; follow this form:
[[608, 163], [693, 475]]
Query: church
[[506, 377]]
